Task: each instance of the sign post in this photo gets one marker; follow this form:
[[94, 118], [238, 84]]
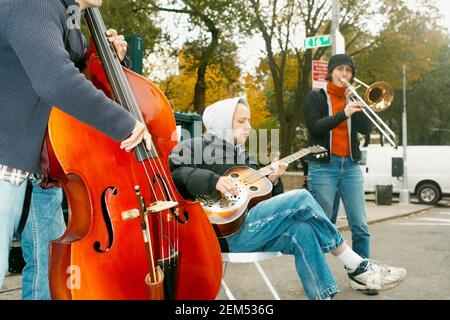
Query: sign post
[[404, 193], [339, 43]]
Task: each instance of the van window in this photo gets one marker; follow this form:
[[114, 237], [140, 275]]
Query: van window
[[363, 160]]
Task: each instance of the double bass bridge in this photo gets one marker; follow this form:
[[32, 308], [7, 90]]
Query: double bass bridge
[[159, 206], [154, 207]]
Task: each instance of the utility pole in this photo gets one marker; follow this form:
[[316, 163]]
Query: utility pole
[[404, 193], [335, 24]]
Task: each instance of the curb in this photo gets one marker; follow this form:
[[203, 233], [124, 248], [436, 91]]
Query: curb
[[346, 228]]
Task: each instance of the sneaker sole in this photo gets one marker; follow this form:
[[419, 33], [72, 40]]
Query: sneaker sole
[[370, 292]]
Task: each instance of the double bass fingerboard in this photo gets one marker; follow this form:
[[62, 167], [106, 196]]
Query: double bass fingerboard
[[116, 77]]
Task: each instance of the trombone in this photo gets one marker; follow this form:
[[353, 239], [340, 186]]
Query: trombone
[[379, 97]]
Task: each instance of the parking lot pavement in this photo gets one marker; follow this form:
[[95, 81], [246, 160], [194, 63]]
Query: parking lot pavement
[[250, 281]]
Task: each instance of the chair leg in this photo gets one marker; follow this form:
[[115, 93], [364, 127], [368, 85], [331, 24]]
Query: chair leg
[[224, 284], [227, 291], [267, 281], [224, 269]]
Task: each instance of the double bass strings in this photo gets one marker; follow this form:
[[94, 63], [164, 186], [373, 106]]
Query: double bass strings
[[126, 98]]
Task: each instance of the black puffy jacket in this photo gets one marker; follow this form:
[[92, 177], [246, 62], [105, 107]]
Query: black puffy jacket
[[320, 121], [197, 164]]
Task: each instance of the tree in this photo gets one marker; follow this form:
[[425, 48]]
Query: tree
[[257, 101], [131, 17], [222, 81], [214, 17], [428, 106], [379, 49], [408, 38], [280, 23]]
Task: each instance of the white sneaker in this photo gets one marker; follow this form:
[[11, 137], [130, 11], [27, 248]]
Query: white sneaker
[[373, 276]]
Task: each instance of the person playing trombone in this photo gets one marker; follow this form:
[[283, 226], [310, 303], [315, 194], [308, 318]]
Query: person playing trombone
[[333, 121]]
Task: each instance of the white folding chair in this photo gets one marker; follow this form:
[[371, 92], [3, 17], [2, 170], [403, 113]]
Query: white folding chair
[[249, 257]]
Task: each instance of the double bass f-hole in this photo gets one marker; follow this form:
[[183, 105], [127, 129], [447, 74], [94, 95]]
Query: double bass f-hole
[[107, 196]]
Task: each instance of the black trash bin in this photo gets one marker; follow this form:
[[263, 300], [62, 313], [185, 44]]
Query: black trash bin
[[383, 194]]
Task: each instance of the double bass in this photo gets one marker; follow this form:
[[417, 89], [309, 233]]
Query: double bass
[[130, 234]]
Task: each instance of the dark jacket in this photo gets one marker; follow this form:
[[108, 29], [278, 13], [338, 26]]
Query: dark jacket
[[320, 121], [40, 74], [197, 164]]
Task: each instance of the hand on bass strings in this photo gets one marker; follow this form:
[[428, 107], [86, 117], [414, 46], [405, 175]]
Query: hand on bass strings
[[119, 43], [139, 133]]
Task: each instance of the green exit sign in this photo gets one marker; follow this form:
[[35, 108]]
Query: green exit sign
[[319, 41]]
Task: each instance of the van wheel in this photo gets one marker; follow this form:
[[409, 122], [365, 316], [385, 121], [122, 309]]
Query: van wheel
[[428, 193]]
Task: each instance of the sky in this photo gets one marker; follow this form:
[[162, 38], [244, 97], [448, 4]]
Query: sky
[[444, 6]]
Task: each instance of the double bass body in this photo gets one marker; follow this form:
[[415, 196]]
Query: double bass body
[[102, 255]]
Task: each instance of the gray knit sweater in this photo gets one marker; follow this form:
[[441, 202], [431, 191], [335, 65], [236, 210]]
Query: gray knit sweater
[[36, 73]]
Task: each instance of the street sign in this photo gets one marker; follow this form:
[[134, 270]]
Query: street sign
[[319, 41], [319, 74]]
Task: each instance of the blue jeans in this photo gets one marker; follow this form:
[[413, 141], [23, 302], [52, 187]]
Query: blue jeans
[[45, 223], [344, 175], [293, 223], [11, 204]]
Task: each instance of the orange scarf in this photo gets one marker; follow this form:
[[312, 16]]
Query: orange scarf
[[340, 144]]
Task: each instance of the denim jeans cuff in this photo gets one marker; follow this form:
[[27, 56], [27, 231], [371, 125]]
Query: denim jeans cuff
[[330, 292], [333, 246]]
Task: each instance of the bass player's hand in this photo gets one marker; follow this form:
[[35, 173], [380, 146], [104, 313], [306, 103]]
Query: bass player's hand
[[119, 43], [139, 133]]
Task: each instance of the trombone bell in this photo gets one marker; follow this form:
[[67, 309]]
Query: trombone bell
[[379, 96]]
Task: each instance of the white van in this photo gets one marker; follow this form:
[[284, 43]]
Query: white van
[[428, 169]]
